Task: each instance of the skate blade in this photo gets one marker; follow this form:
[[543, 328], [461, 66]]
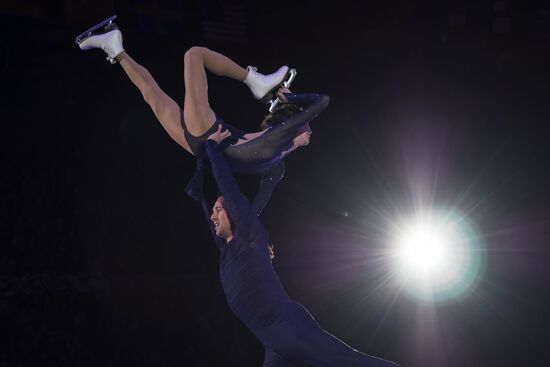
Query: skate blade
[[89, 32], [274, 102], [270, 95]]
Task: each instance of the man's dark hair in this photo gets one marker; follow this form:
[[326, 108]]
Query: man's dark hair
[[231, 225]]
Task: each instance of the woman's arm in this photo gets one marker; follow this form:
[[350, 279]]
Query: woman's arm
[[312, 103], [267, 185]]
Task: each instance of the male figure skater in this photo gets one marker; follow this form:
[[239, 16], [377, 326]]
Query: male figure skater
[[289, 333]]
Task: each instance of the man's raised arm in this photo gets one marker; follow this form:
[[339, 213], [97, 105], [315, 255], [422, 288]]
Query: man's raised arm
[[235, 203]]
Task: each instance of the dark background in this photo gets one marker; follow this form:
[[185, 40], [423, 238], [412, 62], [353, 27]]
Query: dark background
[[104, 261]]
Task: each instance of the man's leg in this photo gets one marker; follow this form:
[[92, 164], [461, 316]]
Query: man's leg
[[299, 338], [273, 359], [326, 351]]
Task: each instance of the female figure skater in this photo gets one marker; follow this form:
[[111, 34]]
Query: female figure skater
[[259, 153], [288, 332]]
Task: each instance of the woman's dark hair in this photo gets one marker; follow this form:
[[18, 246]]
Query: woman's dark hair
[[281, 113]]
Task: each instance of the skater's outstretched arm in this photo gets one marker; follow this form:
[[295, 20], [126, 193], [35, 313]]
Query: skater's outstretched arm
[[244, 218], [267, 186], [279, 140], [312, 103]]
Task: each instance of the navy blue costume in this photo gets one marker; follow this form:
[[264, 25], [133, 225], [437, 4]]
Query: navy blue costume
[[254, 293], [262, 156]]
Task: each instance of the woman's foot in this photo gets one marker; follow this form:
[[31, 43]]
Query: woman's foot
[[264, 87], [109, 40]]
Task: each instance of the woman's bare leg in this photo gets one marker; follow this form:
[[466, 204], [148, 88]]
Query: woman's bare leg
[[165, 108], [198, 115]]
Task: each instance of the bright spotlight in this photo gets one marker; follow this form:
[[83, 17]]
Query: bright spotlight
[[423, 249], [435, 255]]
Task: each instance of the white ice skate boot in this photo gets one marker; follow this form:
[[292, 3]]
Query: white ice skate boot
[[264, 87], [109, 39]]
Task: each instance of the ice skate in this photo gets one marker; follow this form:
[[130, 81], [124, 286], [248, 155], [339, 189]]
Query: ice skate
[[105, 36], [274, 100], [264, 87]]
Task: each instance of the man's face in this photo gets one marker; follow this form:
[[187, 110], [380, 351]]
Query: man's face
[[220, 220]]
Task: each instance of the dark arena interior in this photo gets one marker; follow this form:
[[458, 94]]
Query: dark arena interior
[[439, 116]]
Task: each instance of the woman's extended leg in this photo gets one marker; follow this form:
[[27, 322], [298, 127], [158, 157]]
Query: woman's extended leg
[[197, 113], [198, 116], [165, 108]]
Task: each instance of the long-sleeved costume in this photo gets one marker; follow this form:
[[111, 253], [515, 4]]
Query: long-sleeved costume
[[262, 156], [254, 293]]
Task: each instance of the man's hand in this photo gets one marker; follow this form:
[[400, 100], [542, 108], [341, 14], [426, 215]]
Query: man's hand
[[219, 135]]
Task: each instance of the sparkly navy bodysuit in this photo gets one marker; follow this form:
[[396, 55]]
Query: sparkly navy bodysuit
[[262, 156], [290, 335]]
